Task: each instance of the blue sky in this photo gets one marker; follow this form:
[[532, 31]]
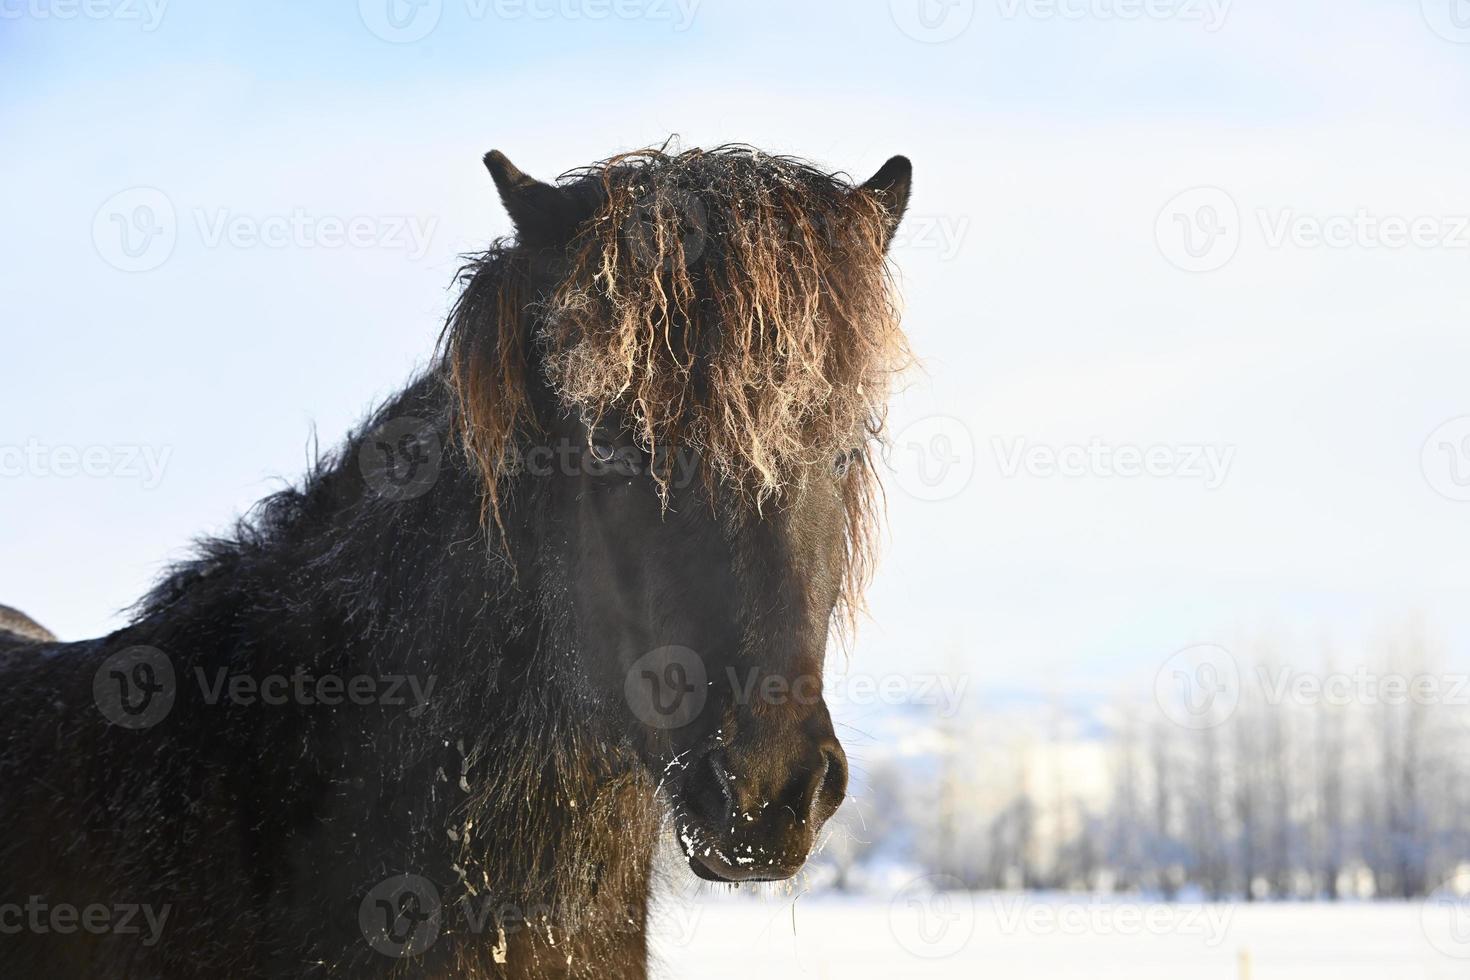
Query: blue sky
[[1048, 310]]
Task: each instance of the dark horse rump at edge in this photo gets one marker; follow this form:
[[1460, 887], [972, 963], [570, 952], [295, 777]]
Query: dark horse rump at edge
[[427, 713]]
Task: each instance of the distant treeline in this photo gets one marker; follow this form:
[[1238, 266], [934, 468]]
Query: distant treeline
[[1338, 780]]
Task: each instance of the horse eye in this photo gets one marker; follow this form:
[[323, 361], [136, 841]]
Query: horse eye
[[603, 452], [845, 461]]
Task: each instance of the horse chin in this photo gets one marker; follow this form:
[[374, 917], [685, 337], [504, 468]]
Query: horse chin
[[709, 859], [726, 874]]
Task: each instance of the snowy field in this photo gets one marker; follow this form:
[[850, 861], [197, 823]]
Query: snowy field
[[1003, 936]]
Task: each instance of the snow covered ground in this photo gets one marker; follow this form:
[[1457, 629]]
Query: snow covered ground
[[1003, 936]]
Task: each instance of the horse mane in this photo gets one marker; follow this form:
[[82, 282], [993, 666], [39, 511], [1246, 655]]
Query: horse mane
[[727, 302], [305, 570]]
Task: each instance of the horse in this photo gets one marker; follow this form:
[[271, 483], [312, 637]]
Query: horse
[[431, 710]]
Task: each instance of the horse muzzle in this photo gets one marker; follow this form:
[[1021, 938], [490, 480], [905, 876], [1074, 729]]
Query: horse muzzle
[[753, 814]]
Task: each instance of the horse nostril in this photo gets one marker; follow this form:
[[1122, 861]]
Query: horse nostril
[[833, 787]]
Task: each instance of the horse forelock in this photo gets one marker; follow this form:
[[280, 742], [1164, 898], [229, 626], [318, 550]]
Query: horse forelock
[[725, 302]]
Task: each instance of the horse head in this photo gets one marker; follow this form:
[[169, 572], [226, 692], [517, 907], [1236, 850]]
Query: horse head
[[684, 359]]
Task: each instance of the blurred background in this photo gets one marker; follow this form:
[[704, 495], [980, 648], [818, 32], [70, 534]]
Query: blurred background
[[1167, 671]]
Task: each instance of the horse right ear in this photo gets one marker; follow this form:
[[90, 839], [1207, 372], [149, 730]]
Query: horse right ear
[[543, 214], [890, 188]]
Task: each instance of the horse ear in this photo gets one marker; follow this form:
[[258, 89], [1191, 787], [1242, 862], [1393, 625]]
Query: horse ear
[[890, 187], [542, 214]]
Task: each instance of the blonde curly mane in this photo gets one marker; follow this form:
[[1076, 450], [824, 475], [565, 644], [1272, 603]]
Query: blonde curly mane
[[728, 302]]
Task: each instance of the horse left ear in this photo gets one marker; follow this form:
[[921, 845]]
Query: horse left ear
[[890, 186], [543, 214]]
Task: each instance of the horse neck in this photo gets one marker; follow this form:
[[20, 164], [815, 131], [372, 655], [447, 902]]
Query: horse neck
[[513, 782]]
